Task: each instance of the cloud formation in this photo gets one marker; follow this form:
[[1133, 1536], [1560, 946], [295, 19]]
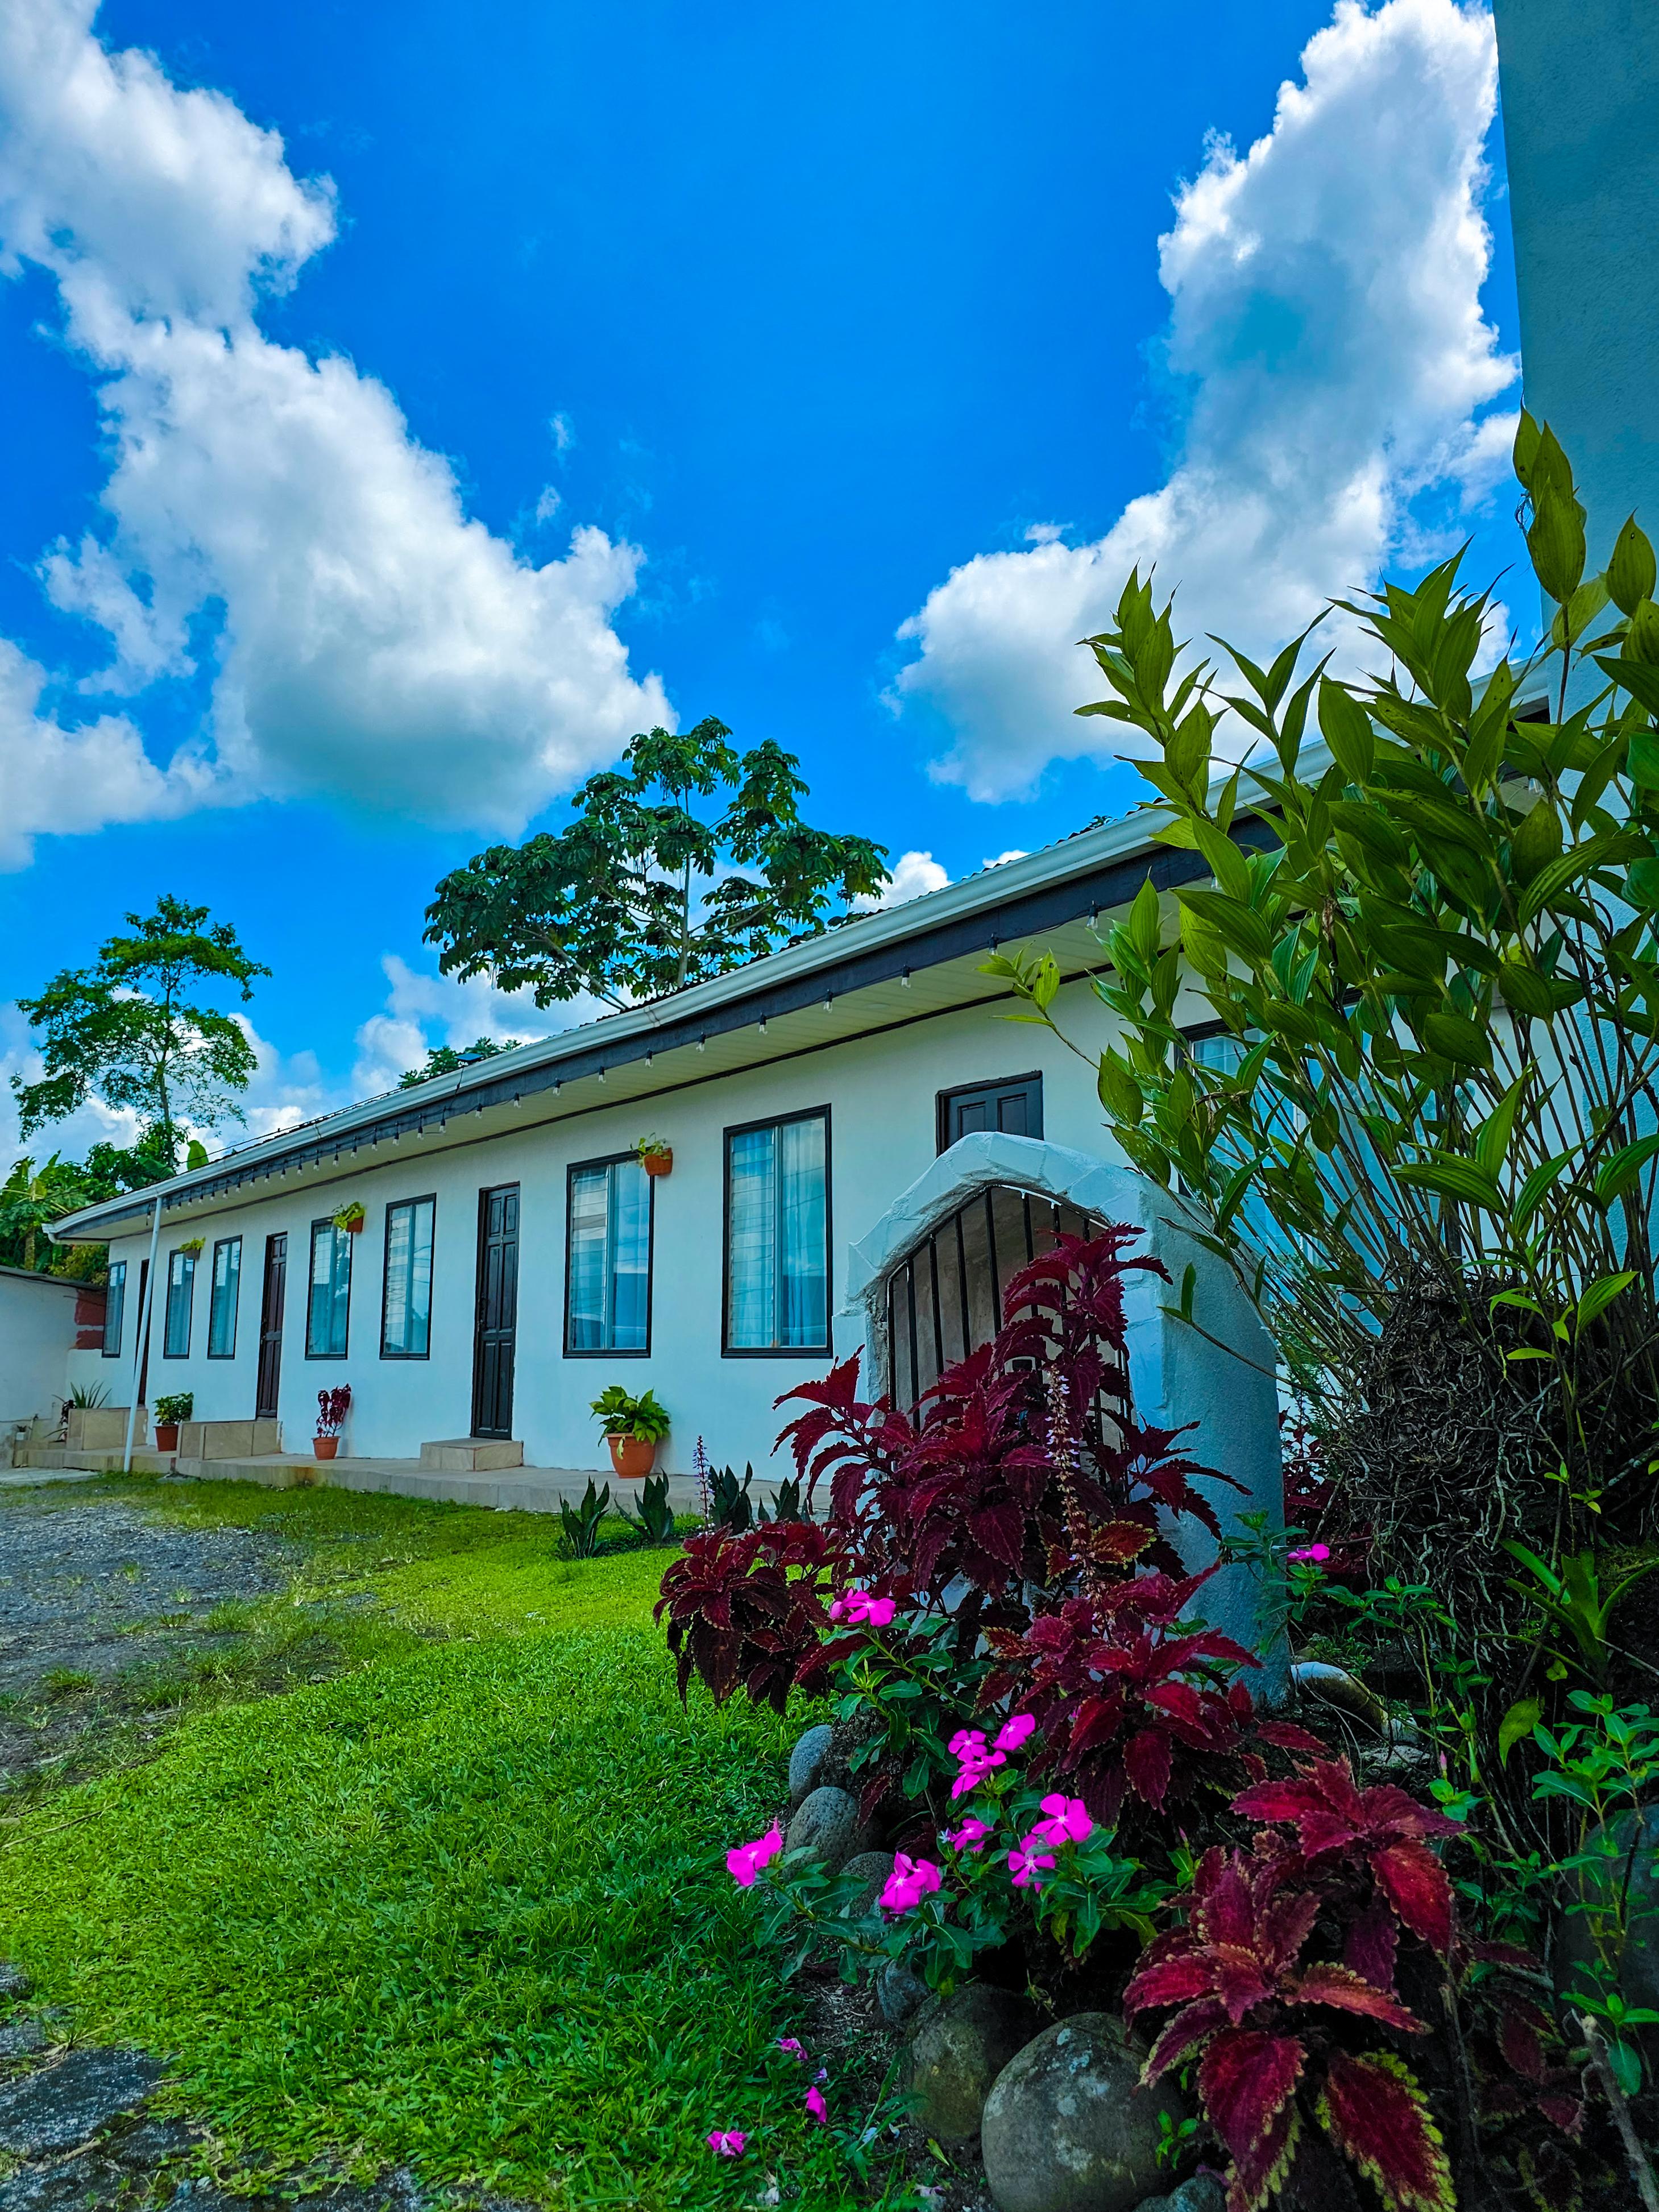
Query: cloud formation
[[1325, 319], [375, 645]]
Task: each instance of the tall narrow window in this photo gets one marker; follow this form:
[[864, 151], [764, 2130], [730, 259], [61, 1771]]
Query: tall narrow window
[[181, 1292], [608, 1268], [330, 1292], [222, 1299], [115, 1299], [777, 1236], [406, 1304]]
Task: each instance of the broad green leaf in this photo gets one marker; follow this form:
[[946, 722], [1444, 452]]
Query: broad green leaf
[[1346, 729], [1640, 677], [1522, 1718], [1458, 1039], [1226, 861], [1630, 573], [1120, 1094], [1622, 1171], [1603, 852], [1537, 1187], [1537, 842], [1492, 1144], [1642, 758], [1526, 990], [1602, 1294], [1454, 1178], [1556, 541], [1244, 930]]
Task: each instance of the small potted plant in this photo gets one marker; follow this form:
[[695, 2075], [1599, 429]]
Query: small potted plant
[[633, 1427], [193, 1245], [169, 1412], [656, 1155], [349, 1218], [332, 1406]]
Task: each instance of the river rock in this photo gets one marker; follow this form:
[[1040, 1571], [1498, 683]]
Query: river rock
[[826, 1823], [1067, 2129], [14, 1981], [872, 1869], [1203, 2193], [59, 2107], [899, 1993], [959, 2046], [806, 1761]]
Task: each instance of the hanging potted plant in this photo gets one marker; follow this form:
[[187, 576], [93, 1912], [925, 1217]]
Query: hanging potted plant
[[633, 1427], [656, 1155], [169, 1412], [332, 1406], [349, 1218], [193, 1245]]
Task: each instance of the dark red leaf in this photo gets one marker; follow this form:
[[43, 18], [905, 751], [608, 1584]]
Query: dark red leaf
[[1346, 1991], [1374, 2110], [1372, 1944], [1146, 1761], [1414, 1882], [1246, 2079]]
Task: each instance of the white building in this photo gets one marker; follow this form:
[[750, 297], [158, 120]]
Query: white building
[[862, 1142]]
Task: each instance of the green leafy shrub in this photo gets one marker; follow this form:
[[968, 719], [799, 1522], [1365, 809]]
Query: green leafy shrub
[[620, 1415], [178, 1406]]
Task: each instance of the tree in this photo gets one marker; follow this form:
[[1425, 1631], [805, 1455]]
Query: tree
[[640, 895], [130, 1031], [31, 1199], [444, 1059]]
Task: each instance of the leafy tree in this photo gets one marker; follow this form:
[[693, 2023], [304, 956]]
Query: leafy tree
[[445, 1059], [131, 1031], [642, 894], [31, 1199], [1440, 981]]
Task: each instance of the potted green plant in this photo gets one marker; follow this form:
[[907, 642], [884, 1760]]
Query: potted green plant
[[349, 1218], [332, 1406], [633, 1427], [656, 1155], [169, 1412], [192, 1244]]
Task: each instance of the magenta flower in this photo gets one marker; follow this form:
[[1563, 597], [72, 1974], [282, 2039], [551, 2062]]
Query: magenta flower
[[745, 1861], [1013, 1732], [910, 1881], [792, 2046], [727, 2143], [970, 1836], [1028, 1865], [815, 2106], [1314, 1552], [968, 1743], [970, 1776], [858, 1609], [1068, 1820]]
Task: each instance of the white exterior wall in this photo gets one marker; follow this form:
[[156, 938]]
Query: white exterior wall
[[881, 1092], [36, 1337]]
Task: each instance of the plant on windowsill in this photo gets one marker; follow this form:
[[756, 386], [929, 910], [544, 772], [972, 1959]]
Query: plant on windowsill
[[332, 1406], [349, 1218], [634, 1427], [656, 1155], [192, 1245], [169, 1412]]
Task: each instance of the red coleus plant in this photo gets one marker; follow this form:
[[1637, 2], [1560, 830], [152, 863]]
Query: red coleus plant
[[1286, 1962], [748, 1611], [1129, 1704]]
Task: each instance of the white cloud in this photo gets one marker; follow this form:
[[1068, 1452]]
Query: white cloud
[[377, 646], [1002, 861], [1325, 319], [423, 1010], [914, 874]]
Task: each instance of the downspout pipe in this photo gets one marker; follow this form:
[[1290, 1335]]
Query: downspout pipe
[[141, 1339]]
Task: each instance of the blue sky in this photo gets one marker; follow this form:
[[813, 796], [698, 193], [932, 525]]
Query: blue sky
[[845, 321]]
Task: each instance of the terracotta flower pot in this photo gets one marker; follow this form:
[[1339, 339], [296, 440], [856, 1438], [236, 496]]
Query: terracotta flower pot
[[632, 1456], [658, 1164], [325, 1447], [166, 1436]]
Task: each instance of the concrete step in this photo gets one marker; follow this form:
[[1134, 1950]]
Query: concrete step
[[470, 1455], [229, 1439]]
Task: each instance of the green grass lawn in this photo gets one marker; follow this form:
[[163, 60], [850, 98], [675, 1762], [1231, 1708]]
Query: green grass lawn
[[462, 1906]]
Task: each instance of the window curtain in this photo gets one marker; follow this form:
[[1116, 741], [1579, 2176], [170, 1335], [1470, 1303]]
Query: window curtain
[[752, 1233], [801, 1212], [181, 1289], [406, 1315], [330, 1292], [589, 1221], [629, 1227], [778, 1272], [115, 1299], [609, 1268], [221, 1305]]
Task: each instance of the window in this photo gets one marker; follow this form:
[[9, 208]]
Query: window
[[608, 1263], [181, 1292], [777, 1236], [227, 1283], [1014, 1106], [406, 1301], [330, 1292], [115, 1299]]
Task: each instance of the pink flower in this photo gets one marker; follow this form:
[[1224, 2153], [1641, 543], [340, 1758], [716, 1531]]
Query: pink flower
[[1028, 1865], [792, 2046], [970, 1777], [745, 1861], [968, 1743], [1013, 1732], [858, 1609], [1315, 1552], [879, 1612], [815, 2106], [727, 2143], [1068, 1820], [910, 1881], [970, 1836]]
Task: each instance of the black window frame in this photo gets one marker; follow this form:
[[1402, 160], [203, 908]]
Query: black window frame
[[107, 1350], [728, 1350], [326, 1221], [944, 1100], [190, 1258], [586, 1167], [219, 1245], [392, 1206]]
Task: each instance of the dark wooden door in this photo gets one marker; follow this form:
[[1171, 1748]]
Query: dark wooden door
[[270, 1327], [497, 1311]]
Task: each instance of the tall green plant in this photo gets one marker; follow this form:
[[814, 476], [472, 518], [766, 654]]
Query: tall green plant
[[1432, 944]]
